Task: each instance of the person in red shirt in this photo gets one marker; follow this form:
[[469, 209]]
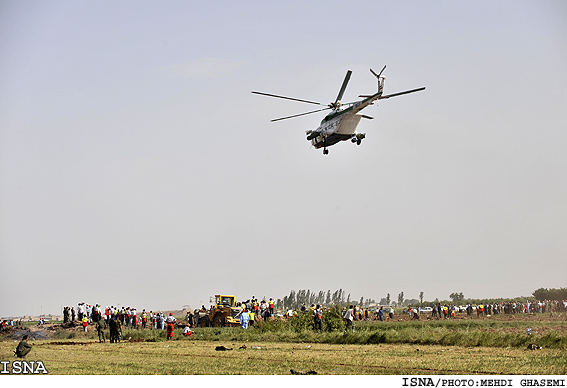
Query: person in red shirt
[[271, 307], [170, 325]]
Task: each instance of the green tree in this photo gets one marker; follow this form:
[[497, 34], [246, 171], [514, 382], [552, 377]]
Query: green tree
[[550, 294], [421, 298], [388, 299], [291, 300], [457, 296], [321, 297], [401, 298]]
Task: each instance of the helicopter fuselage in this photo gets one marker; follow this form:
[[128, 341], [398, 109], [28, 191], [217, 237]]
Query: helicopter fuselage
[[336, 129], [341, 125]]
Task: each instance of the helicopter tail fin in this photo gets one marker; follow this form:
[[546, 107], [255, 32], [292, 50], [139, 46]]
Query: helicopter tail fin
[[380, 79]]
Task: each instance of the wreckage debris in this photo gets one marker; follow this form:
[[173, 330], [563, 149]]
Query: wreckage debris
[[296, 372], [222, 348], [534, 347]]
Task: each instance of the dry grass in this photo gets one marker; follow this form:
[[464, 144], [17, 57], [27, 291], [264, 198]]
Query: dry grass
[[191, 356]]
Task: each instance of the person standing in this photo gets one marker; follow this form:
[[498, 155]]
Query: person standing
[[263, 309], [80, 311], [349, 317], [381, 314], [318, 317], [115, 327], [95, 313], [144, 318], [244, 319], [66, 315], [85, 323], [170, 326], [271, 307], [100, 326], [112, 328]]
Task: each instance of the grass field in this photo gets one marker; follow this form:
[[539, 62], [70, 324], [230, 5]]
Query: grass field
[[407, 348], [267, 358]]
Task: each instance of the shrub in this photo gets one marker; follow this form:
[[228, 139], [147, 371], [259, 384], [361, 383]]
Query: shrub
[[304, 321], [333, 319]]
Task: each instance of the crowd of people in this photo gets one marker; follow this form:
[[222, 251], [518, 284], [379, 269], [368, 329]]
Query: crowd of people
[[446, 311], [5, 323], [117, 318], [487, 309], [253, 310]]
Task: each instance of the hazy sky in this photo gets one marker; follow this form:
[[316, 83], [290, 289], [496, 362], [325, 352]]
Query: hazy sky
[[137, 168]]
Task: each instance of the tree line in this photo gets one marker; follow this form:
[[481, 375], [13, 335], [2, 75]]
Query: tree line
[[296, 299], [550, 294]]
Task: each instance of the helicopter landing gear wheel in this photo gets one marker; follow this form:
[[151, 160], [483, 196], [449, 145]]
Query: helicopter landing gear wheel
[[325, 152], [358, 142]]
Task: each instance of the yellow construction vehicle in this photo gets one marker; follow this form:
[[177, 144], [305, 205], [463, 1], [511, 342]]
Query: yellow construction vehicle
[[225, 312]]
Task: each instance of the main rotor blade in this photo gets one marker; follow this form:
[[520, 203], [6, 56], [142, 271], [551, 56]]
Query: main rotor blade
[[401, 93], [345, 82], [301, 114], [288, 98]]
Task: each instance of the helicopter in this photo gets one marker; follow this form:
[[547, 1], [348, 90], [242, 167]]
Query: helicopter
[[341, 123]]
